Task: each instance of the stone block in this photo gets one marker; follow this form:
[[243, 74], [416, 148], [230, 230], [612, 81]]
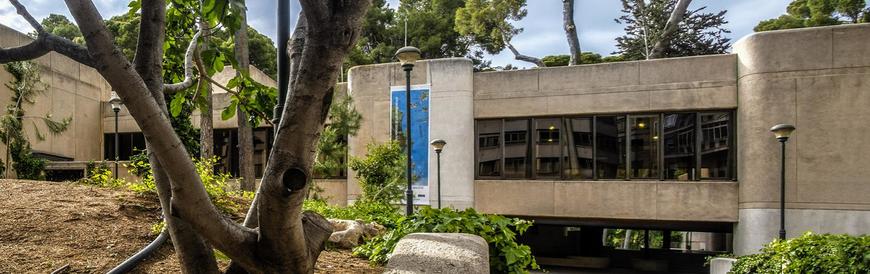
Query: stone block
[[721, 265], [439, 253]]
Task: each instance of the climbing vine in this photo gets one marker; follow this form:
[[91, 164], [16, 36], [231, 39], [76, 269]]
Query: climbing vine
[[25, 86]]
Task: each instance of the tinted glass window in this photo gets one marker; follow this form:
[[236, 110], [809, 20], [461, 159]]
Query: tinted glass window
[[715, 150], [489, 151], [679, 146], [610, 146], [644, 146], [577, 159], [516, 148], [547, 149]]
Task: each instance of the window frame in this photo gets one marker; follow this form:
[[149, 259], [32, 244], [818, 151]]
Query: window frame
[[531, 167]]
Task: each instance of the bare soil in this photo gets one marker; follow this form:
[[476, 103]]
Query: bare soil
[[45, 226]]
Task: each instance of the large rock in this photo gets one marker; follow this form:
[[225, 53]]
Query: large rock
[[439, 253], [350, 233]]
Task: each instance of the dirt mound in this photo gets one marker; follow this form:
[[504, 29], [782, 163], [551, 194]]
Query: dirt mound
[[45, 226]]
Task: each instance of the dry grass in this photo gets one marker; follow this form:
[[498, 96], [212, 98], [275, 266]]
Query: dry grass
[[45, 226]]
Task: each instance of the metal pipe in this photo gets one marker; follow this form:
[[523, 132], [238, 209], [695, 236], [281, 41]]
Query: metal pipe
[[116, 142], [409, 192], [283, 14], [782, 192], [439, 178], [134, 260]]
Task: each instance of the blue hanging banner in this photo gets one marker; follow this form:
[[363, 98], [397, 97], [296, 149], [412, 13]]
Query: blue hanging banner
[[419, 135]]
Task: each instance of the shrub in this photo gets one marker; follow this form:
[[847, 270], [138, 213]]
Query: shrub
[[505, 254], [810, 253], [381, 213], [99, 174], [381, 173]]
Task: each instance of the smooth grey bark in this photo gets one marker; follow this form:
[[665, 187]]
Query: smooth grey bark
[[246, 134], [195, 256], [521, 57], [206, 120], [571, 32], [674, 20], [286, 241]]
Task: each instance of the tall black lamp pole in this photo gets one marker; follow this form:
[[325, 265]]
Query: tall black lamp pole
[[407, 56], [115, 101], [283, 13], [782, 132], [438, 145]]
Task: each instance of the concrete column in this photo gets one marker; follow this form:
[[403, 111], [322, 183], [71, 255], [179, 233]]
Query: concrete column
[[451, 118]]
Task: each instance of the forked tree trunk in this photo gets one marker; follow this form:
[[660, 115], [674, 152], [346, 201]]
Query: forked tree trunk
[[571, 32], [674, 20], [286, 241], [246, 134]]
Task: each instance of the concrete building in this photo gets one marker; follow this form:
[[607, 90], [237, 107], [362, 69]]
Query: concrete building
[[670, 148]]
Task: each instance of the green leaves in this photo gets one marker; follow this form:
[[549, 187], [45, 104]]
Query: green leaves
[[506, 255], [810, 253]]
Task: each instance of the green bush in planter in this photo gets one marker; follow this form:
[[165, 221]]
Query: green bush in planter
[[810, 253], [505, 254]]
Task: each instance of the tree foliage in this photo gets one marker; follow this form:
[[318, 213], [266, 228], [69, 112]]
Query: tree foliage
[[587, 57], [61, 26], [814, 13], [699, 33], [488, 22], [344, 122]]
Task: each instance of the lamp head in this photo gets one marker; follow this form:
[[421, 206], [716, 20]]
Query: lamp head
[[115, 101], [782, 131], [408, 55], [438, 145]]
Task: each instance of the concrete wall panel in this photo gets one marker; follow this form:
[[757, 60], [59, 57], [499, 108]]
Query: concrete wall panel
[[850, 46], [529, 198]]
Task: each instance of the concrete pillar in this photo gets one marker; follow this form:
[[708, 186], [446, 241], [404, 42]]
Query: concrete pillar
[[451, 118]]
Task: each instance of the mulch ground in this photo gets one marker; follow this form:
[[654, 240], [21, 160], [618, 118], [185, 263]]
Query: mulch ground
[[45, 226]]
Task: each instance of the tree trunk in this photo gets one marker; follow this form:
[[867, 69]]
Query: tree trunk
[[246, 134], [194, 254], [287, 240], [571, 32], [664, 41], [206, 122]]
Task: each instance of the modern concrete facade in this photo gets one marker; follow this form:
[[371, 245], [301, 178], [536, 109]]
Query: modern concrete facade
[[817, 79]]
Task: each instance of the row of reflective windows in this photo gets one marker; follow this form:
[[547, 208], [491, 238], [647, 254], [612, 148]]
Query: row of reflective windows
[[663, 146]]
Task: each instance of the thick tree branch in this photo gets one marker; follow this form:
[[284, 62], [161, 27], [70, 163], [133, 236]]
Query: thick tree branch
[[517, 55], [188, 67], [189, 199], [664, 41], [332, 29], [45, 42], [571, 31]]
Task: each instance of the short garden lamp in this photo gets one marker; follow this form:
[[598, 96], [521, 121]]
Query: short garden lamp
[[408, 55], [115, 102], [782, 132], [438, 146]]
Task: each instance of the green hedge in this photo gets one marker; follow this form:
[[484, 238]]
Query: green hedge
[[810, 253]]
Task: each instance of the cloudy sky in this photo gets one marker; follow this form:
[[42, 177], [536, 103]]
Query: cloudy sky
[[543, 33]]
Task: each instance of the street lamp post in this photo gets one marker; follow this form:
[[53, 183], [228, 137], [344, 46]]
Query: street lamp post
[[438, 145], [407, 56], [782, 132], [115, 101]]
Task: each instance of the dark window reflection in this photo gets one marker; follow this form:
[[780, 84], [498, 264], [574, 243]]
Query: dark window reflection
[[715, 155], [516, 148], [226, 143], [644, 146], [547, 150], [129, 144], [679, 146], [489, 148], [610, 146], [578, 148]]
